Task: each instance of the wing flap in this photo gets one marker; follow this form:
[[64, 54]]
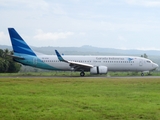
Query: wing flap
[[80, 64]]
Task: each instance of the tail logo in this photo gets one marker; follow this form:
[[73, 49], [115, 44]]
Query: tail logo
[[18, 44]]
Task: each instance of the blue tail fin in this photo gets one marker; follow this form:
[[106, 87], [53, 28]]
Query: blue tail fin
[[18, 44]]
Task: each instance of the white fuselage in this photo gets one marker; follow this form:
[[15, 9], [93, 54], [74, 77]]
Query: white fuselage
[[113, 63]]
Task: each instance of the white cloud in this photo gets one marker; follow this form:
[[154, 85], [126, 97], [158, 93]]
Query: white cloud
[[52, 36], [82, 33], [79, 22], [146, 3], [57, 9], [37, 4], [2, 35], [31, 4], [4, 39], [121, 38], [147, 48]]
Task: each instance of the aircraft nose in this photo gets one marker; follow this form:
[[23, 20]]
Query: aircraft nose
[[155, 65]]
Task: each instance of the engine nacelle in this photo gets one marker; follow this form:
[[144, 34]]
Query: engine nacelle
[[72, 69], [99, 70]]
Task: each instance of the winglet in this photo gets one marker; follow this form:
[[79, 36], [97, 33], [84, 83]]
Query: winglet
[[59, 56]]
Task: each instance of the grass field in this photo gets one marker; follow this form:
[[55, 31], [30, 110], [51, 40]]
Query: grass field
[[68, 73], [79, 99]]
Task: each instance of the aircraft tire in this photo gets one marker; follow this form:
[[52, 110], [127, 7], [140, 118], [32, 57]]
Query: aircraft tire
[[82, 74], [142, 74]]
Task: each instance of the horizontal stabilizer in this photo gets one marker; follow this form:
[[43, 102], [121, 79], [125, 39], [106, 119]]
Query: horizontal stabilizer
[[14, 56]]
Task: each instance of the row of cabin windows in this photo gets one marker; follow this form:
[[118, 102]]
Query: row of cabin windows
[[119, 61], [90, 61], [115, 61]]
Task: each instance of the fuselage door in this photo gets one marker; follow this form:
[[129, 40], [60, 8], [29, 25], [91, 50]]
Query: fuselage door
[[141, 63]]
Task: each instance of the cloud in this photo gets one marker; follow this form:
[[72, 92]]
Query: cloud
[[146, 3], [147, 48], [19, 4], [121, 38], [2, 36], [52, 36], [82, 33], [4, 39], [57, 9], [37, 4]]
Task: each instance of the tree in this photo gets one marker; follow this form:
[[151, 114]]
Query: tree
[[13, 67], [145, 55], [6, 62], [1, 53], [2, 67], [6, 52]]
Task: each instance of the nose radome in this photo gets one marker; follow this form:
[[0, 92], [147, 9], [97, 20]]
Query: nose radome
[[155, 65]]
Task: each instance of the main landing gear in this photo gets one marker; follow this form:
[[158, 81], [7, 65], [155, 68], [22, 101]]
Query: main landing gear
[[82, 74], [147, 72], [142, 74]]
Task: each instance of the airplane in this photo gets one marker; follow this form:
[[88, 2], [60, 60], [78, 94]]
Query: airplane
[[94, 64]]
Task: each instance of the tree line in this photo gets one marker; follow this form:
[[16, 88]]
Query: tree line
[[7, 65]]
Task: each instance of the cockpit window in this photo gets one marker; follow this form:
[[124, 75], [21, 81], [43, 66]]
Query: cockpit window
[[148, 61]]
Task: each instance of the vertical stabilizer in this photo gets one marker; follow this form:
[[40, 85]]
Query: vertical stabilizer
[[18, 44]]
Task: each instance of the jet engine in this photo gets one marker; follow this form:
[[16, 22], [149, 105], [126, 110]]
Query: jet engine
[[99, 70]]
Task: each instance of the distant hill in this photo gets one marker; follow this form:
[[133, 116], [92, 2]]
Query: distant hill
[[5, 47], [89, 50]]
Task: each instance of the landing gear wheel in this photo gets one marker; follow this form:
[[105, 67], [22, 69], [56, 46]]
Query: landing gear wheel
[[82, 74], [142, 74]]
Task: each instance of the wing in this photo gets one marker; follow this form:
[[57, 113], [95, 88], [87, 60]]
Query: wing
[[76, 66]]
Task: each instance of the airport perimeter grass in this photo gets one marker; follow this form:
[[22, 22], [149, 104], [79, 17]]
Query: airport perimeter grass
[[69, 73], [79, 99]]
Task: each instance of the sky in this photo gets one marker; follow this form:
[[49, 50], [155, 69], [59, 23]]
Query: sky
[[121, 24]]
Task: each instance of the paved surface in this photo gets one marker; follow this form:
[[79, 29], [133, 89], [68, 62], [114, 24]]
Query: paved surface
[[147, 77]]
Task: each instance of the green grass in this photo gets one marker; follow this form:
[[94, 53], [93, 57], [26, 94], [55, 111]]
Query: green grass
[[49, 73], [79, 99], [68, 73]]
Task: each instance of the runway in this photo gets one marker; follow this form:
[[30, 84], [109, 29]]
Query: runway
[[93, 77]]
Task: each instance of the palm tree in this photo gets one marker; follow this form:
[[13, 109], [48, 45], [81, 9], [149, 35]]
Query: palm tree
[[6, 52]]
